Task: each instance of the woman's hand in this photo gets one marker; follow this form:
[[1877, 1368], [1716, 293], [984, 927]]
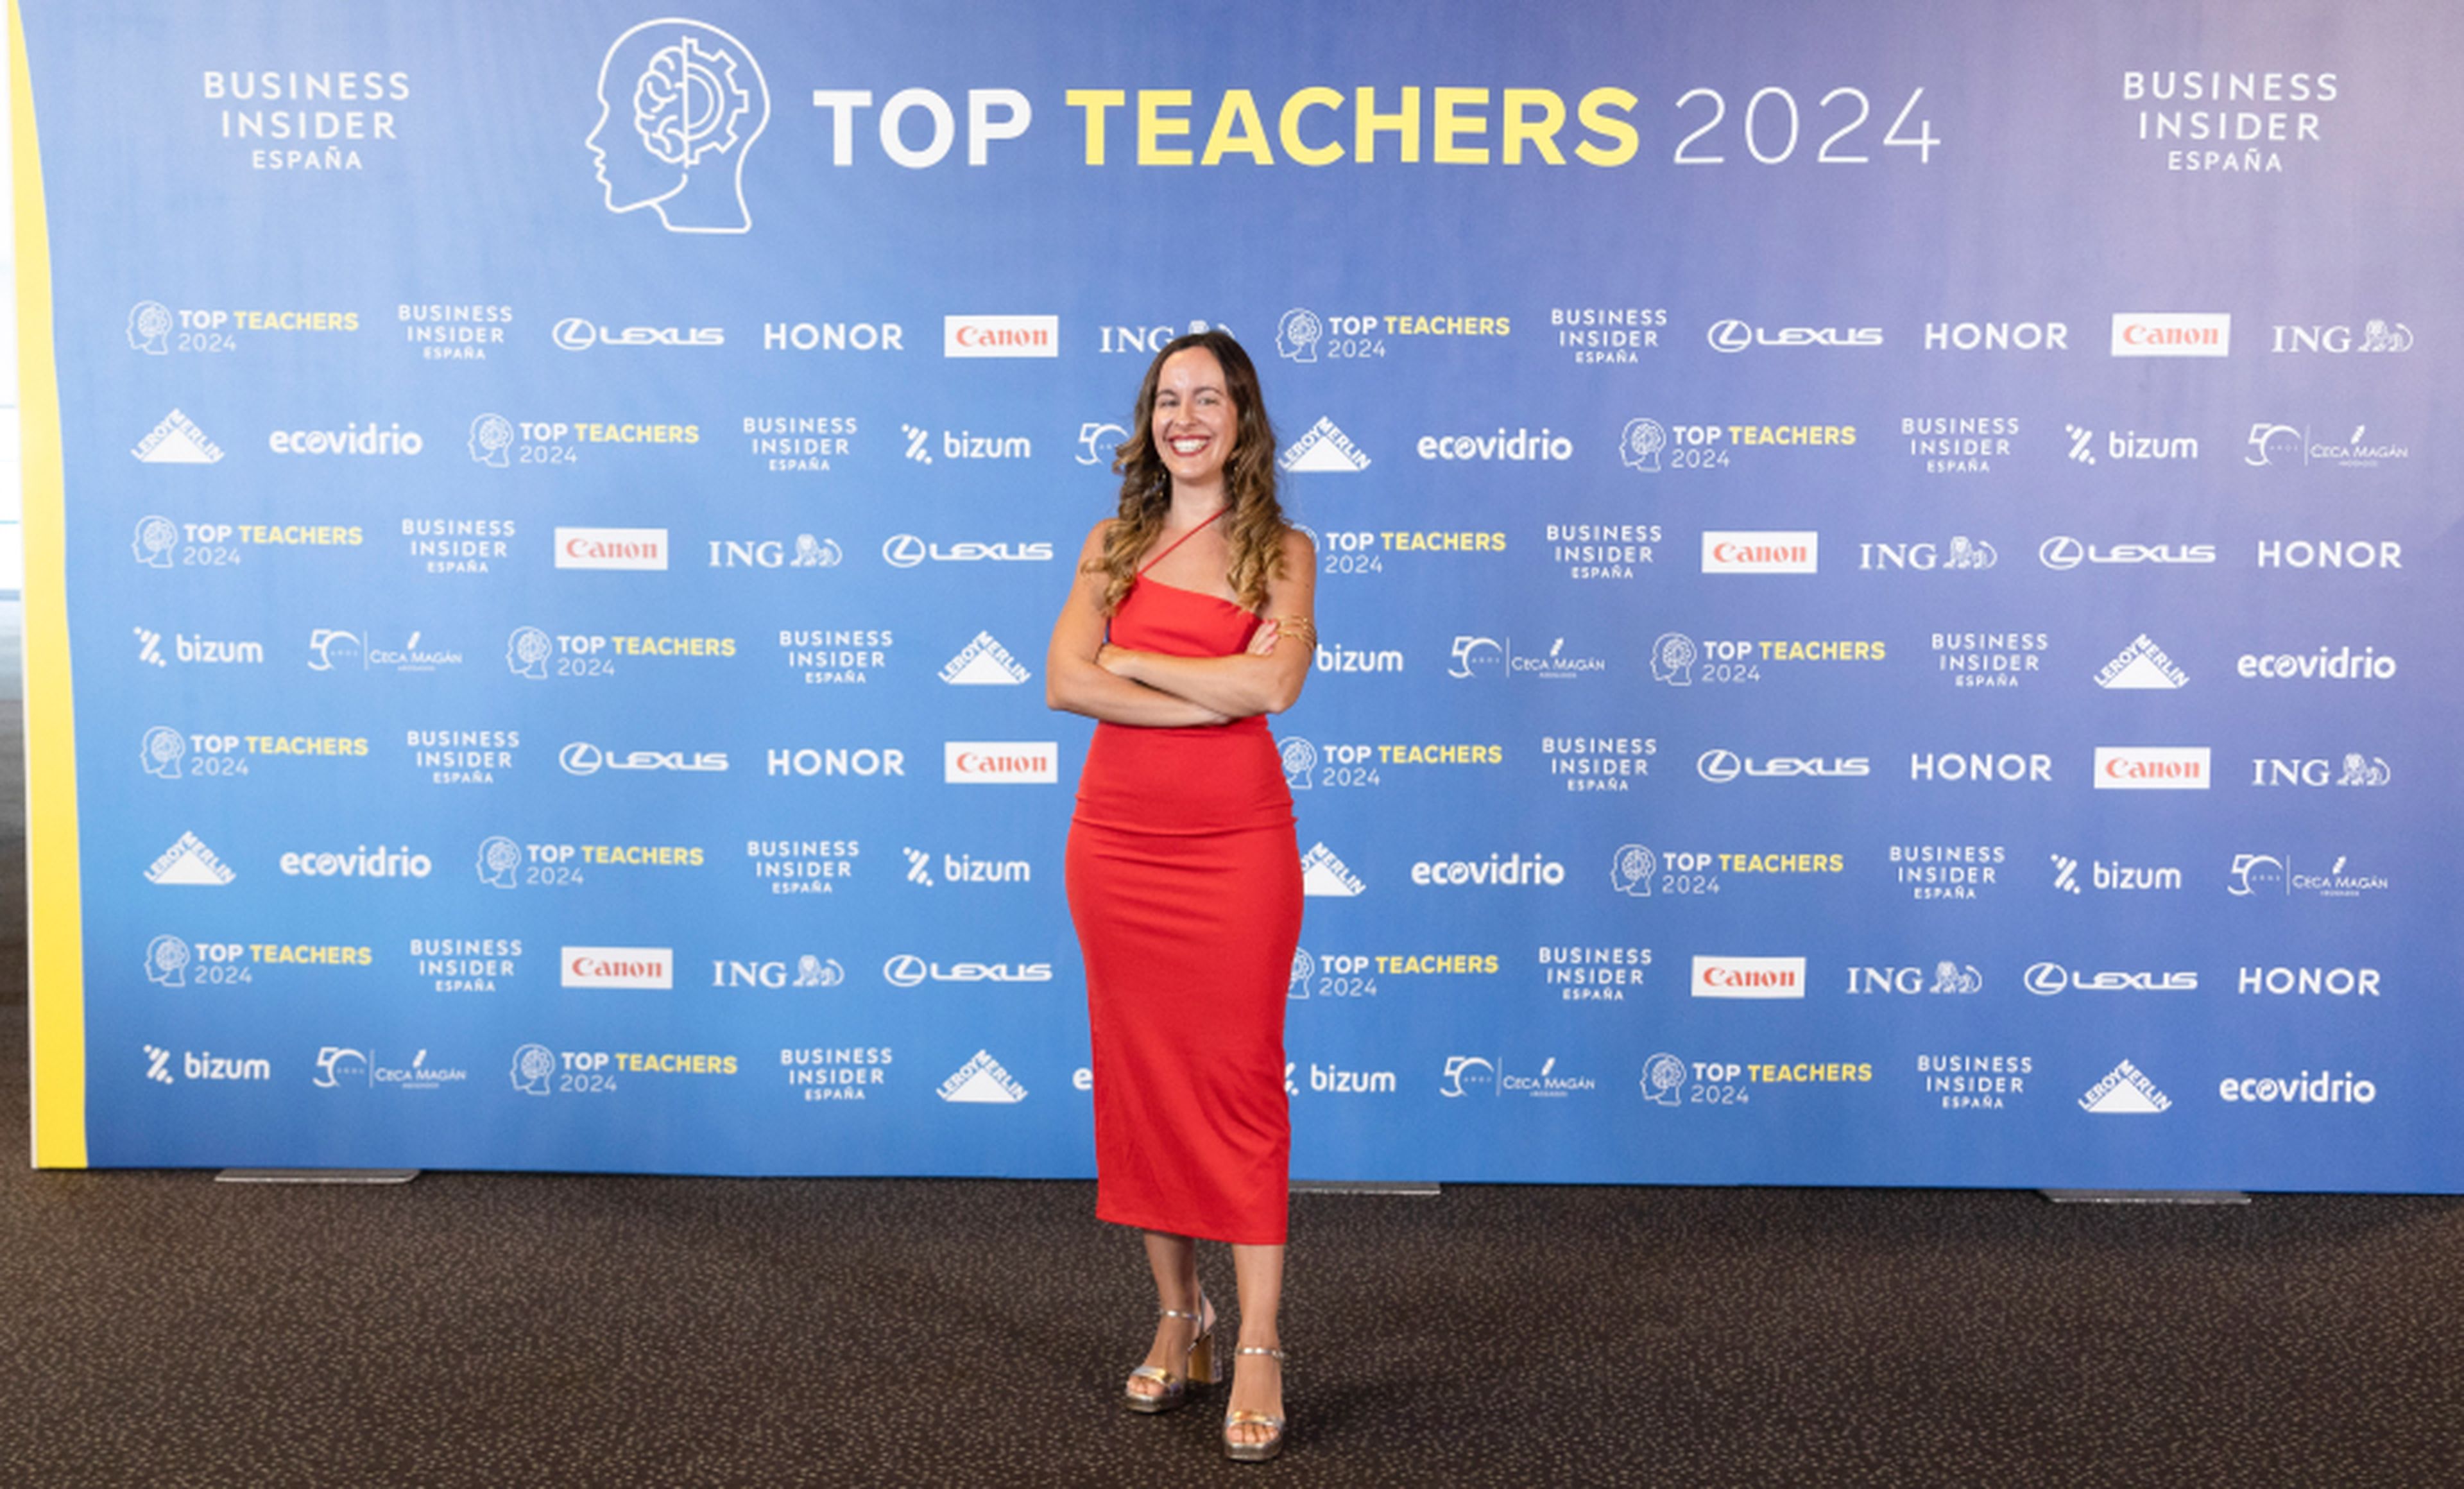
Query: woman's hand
[[1086, 673], [1083, 673]]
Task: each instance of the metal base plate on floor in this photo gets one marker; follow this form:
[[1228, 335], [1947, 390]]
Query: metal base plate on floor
[[2145, 1196], [1414, 1189], [317, 1176]]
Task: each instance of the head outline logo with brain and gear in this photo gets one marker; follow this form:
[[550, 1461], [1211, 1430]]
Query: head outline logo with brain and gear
[[491, 441], [1298, 333], [680, 103], [1639, 447], [527, 651], [150, 328]]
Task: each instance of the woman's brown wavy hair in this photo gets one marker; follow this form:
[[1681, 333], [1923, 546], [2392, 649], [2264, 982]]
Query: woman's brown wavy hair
[[1253, 520]]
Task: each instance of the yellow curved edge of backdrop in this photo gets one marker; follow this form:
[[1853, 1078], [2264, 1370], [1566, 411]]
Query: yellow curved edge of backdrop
[[54, 907]]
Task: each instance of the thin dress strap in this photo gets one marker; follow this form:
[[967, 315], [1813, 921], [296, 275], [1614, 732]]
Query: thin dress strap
[[1177, 541]]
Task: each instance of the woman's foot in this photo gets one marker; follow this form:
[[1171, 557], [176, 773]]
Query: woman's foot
[[1164, 1376], [1254, 1418]]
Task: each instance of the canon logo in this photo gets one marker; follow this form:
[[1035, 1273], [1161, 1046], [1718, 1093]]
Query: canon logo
[[1749, 977], [2154, 333], [2151, 767], [618, 966], [611, 547], [1761, 552], [1000, 762], [1001, 336]]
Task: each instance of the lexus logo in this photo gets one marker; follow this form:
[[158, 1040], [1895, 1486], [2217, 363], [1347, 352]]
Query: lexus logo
[[575, 334], [581, 758], [903, 972], [1737, 336], [1720, 767], [905, 550], [2059, 553], [2045, 979]]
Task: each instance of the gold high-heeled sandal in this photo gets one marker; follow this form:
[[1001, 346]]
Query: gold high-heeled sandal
[[1200, 1367], [1254, 1451]]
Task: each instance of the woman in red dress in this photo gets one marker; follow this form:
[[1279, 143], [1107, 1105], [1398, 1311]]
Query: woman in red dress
[[1191, 621]]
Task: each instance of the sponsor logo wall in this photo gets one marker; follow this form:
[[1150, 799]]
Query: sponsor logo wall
[[554, 547]]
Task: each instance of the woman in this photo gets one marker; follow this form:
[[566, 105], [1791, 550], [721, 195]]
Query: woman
[[1189, 622]]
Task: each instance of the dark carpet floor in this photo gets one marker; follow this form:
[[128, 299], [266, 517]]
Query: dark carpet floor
[[159, 1328]]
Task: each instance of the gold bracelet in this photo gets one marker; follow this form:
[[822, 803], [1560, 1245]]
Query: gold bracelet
[[1300, 628]]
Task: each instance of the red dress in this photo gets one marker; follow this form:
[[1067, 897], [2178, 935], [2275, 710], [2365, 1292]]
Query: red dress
[[1185, 882]]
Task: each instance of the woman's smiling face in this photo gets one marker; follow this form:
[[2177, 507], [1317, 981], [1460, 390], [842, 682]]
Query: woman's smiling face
[[1193, 422]]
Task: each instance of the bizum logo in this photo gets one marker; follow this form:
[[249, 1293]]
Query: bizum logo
[[918, 867], [2082, 443], [2065, 874]]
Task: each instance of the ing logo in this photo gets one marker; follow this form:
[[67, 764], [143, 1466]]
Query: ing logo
[[680, 103]]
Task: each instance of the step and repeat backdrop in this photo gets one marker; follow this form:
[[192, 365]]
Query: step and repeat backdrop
[[1886, 582]]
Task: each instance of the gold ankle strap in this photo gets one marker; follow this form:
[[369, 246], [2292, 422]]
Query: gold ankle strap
[[1254, 1349]]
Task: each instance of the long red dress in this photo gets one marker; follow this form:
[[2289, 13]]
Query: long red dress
[[1185, 882]]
